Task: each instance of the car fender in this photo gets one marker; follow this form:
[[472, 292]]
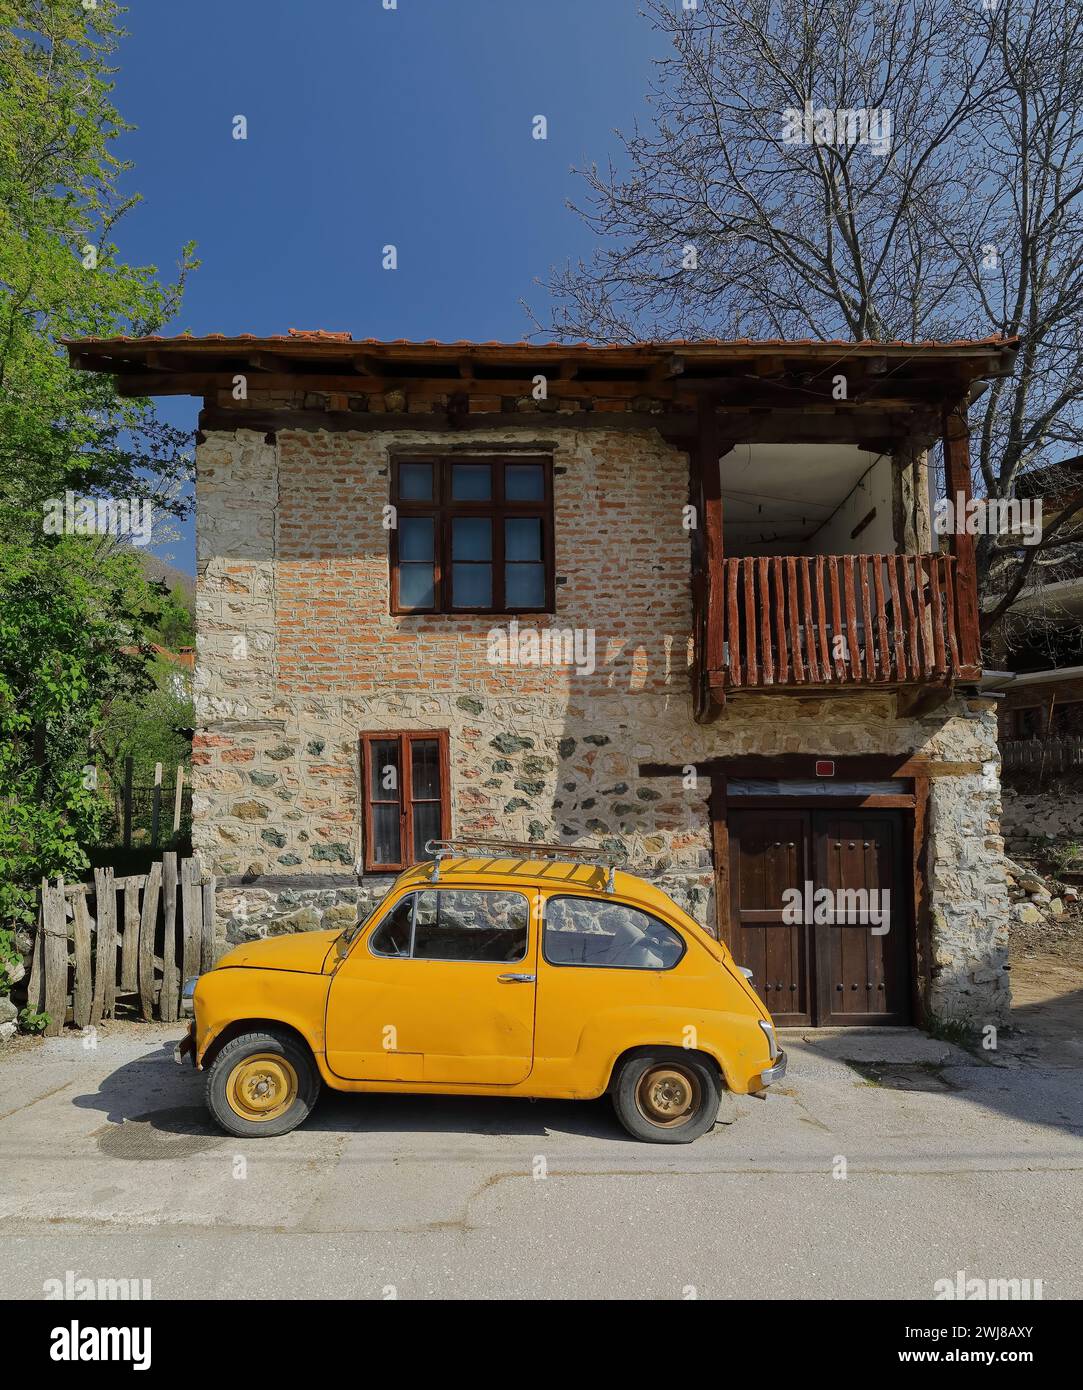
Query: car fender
[[224, 997], [734, 1041]]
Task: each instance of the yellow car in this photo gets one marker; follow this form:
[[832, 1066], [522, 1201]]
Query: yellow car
[[493, 970]]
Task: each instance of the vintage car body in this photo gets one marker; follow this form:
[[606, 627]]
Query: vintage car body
[[491, 976]]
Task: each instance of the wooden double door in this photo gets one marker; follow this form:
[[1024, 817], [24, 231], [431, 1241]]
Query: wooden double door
[[833, 966]]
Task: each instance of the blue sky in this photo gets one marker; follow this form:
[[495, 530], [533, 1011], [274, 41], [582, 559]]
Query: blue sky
[[369, 126]]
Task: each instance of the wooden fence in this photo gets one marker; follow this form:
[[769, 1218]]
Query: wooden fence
[[1042, 755], [138, 937]]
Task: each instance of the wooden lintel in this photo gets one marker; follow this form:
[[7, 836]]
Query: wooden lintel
[[788, 766], [215, 417]]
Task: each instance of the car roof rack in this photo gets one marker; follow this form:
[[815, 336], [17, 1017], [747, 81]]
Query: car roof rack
[[524, 849]]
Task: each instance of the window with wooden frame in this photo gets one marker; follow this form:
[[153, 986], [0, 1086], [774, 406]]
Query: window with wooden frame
[[407, 797], [472, 535]]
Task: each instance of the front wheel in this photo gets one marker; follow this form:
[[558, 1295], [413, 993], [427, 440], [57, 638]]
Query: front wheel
[[262, 1084], [667, 1096]]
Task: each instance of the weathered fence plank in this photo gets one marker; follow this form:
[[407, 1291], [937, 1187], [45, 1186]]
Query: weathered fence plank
[[105, 968], [170, 996], [206, 954], [55, 925], [83, 984], [147, 929], [192, 899], [129, 947]]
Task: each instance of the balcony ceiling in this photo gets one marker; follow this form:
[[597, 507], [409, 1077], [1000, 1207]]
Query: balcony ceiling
[[776, 491]]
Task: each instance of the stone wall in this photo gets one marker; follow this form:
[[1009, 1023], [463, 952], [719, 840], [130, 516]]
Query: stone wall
[[298, 655]]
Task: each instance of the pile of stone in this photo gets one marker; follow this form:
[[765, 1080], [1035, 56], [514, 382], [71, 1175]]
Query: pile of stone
[[1034, 897]]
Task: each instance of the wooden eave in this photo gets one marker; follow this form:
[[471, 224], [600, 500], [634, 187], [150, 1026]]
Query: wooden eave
[[660, 378]]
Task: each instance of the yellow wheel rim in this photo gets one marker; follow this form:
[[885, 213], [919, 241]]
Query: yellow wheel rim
[[668, 1096], [261, 1088]]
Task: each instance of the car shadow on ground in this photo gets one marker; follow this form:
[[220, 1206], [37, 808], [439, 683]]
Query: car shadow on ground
[[150, 1092]]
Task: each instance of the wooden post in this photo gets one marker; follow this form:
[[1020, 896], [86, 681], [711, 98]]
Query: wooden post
[[147, 928], [178, 798], [206, 954], [127, 803], [156, 805], [83, 987], [720, 850], [963, 545], [708, 579], [105, 969], [56, 958], [170, 996]]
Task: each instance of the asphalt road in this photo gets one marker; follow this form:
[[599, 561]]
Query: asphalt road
[[112, 1169]]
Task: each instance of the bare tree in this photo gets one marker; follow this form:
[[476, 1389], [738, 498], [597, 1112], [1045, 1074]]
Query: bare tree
[[863, 169]]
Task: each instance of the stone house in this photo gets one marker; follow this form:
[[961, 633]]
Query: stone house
[[681, 598]]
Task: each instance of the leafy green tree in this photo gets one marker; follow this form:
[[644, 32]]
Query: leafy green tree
[[69, 606]]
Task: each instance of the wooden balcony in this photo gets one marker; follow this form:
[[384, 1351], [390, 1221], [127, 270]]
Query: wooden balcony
[[798, 622]]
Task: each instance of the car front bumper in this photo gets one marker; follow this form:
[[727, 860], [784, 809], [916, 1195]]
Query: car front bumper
[[185, 1050], [774, 1073]]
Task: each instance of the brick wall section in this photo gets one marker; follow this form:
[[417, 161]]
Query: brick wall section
[[297, 655]]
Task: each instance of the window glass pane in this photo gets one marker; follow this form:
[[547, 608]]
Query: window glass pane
[[523, 538], [588, 931], [425, 762], [471, 482], [415, 537], [524, 482], [472, 585], [458, 924], [392, 936], [472, 538], [416, 586], [426, 827], [386, 840], [385, 775], [415, 482], [524, 586]]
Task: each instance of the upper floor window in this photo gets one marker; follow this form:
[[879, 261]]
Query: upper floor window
[[472, 535]]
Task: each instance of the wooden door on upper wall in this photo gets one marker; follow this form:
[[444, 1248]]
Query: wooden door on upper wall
[[851, 965]]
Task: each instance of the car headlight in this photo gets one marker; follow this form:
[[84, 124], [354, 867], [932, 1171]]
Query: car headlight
[[187, 997]]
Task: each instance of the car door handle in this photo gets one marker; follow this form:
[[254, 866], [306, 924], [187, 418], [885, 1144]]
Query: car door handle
[[516, 979]]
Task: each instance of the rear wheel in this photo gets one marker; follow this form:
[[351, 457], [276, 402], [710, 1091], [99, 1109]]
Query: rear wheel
[[667, 1096], [262, 1084]]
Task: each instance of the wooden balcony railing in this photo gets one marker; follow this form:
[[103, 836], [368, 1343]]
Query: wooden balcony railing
[[838, 620]]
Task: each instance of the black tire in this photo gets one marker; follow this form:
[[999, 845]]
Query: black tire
[[643, 1088], [226, 1084]]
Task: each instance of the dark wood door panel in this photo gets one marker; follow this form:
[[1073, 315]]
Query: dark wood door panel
[[770, 853], [861, 967]]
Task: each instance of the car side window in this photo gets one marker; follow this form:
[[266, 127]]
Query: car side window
[[592, 931], [392, 936], [458, 924]]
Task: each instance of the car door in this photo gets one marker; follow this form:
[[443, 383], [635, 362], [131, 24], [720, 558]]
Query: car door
[[440, 989]]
